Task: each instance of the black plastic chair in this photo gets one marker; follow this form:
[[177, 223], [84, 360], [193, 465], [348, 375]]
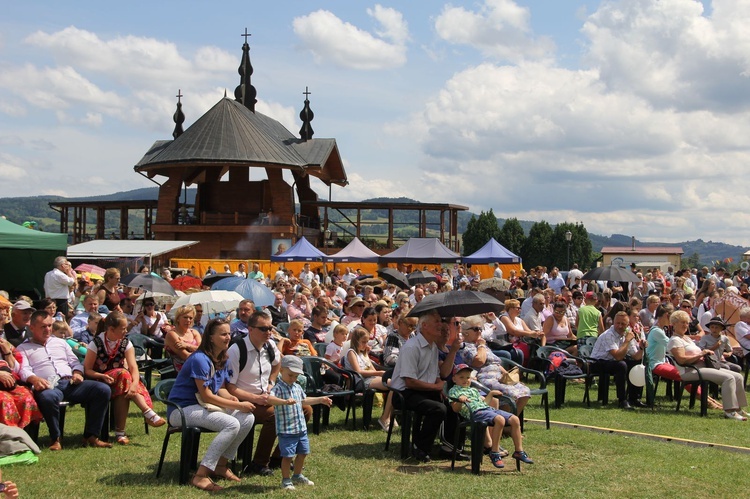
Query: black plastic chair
[[190, 435], [561, 380], [409, 419], [542, 390], [680, 385], [142, 345], [314, 367]]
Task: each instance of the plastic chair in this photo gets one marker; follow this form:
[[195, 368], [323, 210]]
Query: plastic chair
[[542, 390], [282, 328], [190, 435], [409, 419], [561, 380], [321, 349], [142, 344], [314, 367], [679, 386]]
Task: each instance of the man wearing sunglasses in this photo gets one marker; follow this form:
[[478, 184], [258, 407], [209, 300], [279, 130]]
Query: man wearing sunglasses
[[252, 382]]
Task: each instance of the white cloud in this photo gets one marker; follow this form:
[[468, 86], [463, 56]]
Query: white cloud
[[332, 40], [671, 53], [11, 168], [500, 28], [286, 115]]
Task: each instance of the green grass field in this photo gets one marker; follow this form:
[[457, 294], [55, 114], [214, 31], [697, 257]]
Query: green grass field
[[347, 463]]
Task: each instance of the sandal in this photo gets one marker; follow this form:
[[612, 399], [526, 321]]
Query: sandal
[[155, 421], [226, 473], [208, 487], [122, 440]]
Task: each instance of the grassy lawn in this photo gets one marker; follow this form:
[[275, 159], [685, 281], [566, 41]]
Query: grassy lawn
[[347, 464]]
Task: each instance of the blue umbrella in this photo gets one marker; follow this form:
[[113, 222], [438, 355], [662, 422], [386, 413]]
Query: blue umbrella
[[250, 289]]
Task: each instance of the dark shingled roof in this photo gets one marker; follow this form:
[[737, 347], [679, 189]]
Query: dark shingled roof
[[229, 134]]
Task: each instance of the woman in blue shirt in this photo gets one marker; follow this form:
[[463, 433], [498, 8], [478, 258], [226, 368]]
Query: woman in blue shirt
[[200, 391]]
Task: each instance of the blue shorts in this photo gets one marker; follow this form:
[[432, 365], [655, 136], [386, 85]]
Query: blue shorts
[[292, 444], [488, 415]]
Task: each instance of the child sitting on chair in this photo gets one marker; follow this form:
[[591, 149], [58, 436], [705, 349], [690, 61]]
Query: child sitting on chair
[[469, 402], [291, 427]]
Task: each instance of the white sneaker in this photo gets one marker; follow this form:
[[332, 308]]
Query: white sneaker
[[287, 484], [743, 413], [302, 480], [735, 416]]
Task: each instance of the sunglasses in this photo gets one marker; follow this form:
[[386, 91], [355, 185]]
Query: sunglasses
[[686, 306], [149, 304], [476, 329], [265, 329]]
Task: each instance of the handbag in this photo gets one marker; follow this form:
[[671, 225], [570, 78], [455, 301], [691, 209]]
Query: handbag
[[512, 377], [209, 407], [711, 361]]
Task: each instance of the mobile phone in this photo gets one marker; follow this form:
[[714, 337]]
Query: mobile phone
[[2, 487]]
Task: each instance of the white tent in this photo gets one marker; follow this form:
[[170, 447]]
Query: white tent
[[109, 248]]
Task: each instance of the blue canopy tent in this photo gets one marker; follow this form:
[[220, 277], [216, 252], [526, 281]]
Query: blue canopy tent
[[355, 251], [302, 251], [492, 252], [421, 250]]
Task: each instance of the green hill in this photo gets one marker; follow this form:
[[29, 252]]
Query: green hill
[[36, 208]]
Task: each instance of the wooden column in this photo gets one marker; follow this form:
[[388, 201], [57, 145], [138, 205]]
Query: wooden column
[[390, 228], [100, 215], [123, 223]]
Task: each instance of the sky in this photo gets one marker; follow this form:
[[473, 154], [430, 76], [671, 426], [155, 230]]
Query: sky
[[630, 116]]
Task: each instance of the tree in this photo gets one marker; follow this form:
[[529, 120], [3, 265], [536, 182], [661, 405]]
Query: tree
[[512, 236], [536, 250], [693, 261], [479, 231], [580, 246]]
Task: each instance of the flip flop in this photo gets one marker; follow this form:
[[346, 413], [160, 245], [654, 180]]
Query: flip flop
[[211, 487], [226, 473]]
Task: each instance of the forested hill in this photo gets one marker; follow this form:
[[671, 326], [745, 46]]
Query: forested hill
[[36, 208]]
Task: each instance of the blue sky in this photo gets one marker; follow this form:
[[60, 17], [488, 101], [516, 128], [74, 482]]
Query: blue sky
[[631, 116]]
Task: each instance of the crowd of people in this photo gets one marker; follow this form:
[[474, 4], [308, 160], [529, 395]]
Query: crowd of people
[[238, 370]]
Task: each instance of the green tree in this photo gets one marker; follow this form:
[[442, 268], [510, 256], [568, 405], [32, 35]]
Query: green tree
[[693, 261], [580, 246], [479, 231], [512, 236], [536, 250]]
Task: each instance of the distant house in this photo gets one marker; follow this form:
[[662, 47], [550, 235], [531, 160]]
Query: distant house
[[645, 257]]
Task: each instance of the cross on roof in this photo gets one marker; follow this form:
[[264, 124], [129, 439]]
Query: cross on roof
[[179, 95], [246, 34], [306, 93]]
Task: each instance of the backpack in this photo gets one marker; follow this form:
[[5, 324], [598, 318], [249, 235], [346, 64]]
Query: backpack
[[240, 342], [559, 364]]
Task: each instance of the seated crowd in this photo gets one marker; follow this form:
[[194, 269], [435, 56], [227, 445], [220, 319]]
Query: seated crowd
[[77, 345]]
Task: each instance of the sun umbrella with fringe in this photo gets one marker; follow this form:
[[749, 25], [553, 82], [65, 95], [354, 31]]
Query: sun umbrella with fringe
[[214, 301], [250, 289]]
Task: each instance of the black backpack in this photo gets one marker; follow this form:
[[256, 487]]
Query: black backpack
[[240, 342]]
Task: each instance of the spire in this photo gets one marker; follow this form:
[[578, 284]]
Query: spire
[[245, 93], [306, 115], [179, 117]]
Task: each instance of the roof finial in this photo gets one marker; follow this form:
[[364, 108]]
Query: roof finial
[[306, 115], [245, 93], [179, 116]]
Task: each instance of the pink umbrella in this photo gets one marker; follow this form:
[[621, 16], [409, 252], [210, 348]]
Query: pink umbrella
[[93, 269]]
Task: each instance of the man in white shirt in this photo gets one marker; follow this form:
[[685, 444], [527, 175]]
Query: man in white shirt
[[498, 271], [54, 372], [58, 282], [574, 272], [307, 276], [742, 330], [533, 318], [556, 282], [241, 271]]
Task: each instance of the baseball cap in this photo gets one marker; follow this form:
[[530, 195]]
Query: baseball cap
[[23, 305], [590, 295], [292, 363], [459, 368]]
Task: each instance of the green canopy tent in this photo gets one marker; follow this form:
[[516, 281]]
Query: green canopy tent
[[26, 256]]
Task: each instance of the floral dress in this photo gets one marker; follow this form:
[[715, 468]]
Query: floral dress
[[491, 372], [110, 360], [17, 405]]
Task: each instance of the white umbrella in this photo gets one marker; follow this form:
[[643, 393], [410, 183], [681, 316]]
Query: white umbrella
[[214, 301]]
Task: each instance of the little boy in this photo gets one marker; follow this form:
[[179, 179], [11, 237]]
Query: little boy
[[333, 350], [719, 343], [469, 402], [291, 427]]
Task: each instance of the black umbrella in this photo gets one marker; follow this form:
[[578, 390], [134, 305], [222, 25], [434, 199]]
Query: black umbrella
[[210, 280], [610, 273], [148, 282], [457, 304], [393, 276], [421, 277]]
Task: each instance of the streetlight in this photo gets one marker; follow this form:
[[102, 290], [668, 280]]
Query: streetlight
[[568, 237]]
